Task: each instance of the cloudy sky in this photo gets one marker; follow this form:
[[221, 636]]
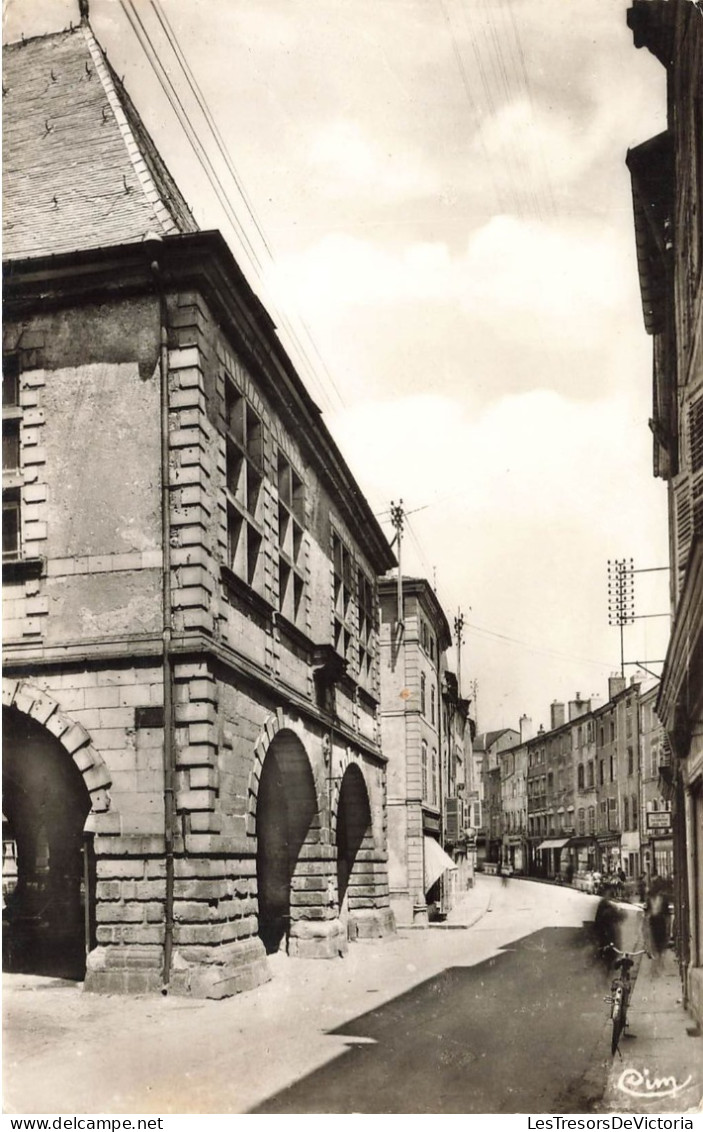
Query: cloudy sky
[[442, 190]]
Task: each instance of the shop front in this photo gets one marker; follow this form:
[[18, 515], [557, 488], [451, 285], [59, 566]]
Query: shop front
[[550, 856], [583, 861]]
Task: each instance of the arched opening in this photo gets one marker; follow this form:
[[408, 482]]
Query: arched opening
[[354, 834], [286, 820], [48, 873]]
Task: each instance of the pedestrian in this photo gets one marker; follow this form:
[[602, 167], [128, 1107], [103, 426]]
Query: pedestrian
[[657, 916], [642, 889]]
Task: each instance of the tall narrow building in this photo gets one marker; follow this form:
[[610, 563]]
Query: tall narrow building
[[192, 773], [667, 186]]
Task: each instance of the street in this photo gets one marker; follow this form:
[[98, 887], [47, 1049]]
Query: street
[[505, 1016]]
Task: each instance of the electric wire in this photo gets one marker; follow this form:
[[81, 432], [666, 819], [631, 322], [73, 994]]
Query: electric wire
[[146, 42], [201, 100]]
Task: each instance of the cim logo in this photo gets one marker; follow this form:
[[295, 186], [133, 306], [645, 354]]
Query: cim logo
[[644, 1087]]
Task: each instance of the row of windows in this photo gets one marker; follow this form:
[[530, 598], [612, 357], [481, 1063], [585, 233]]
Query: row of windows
[[11, 483], [544, 825], [423, 699], [427, 639], [353, 597], [354, 621]]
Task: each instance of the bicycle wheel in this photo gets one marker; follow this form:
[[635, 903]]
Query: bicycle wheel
[[618, 1017]]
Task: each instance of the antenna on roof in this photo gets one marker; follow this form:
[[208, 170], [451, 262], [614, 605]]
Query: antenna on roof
[[84, 8]]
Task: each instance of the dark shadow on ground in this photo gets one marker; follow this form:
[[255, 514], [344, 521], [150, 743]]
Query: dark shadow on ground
[[523, 1032]]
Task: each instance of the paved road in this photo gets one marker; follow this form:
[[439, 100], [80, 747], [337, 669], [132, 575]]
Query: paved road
[[522, 1031], [506, 1016]]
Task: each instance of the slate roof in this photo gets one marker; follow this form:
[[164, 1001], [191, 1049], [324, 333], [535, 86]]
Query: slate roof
[[486, 740], [79, 168]]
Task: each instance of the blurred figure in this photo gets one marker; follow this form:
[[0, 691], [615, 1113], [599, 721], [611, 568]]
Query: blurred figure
[[607, 929], [642, 889], [656, 911]]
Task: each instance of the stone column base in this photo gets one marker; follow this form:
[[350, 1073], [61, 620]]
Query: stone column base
[[198, 972], [317, 939], [371, 923], [124, 970]]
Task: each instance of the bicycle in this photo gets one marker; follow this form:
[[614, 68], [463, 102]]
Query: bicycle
[[620, 990]]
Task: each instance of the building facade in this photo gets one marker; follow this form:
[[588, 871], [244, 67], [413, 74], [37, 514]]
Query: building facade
[[413, 663], [656, 833], [193, 776], [550, 796], [513, 782], [667, 182], [487, 749], [458, 731]]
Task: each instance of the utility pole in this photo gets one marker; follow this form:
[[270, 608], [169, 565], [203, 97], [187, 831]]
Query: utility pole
[[621, 599], [621, 602], [458, 632], [397, 516]]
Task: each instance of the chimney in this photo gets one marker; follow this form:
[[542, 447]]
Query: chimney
[[526, 729], [558, 714], [616, 684], [578, 707]]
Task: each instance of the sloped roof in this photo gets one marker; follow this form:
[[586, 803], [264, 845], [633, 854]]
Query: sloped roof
[[79, 168], [486, 739]]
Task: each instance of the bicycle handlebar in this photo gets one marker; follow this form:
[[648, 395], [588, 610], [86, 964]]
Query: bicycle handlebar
[[626, 954]]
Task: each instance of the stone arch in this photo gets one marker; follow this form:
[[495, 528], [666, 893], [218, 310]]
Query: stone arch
[[274, 724], [290, 889], [54, 784], [72, 736], [356, 856]]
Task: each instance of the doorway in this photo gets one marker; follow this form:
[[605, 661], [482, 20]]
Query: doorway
[[48, 866]]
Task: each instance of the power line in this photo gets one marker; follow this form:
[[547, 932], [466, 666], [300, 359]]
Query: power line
[[146, 42], [536, 648], [227, 157]]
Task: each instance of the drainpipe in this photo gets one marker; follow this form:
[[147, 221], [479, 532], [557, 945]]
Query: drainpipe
[[167, 668]]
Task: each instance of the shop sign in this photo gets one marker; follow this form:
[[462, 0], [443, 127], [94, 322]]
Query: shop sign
[[659, 820]]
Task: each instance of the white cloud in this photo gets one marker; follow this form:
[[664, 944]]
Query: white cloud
[[352, 164], [565, 274]]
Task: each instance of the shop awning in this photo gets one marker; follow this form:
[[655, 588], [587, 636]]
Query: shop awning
[[583, 839], [436, 861], [557, 843]]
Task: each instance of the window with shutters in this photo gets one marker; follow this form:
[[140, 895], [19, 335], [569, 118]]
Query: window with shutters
[[244, 481], [291, 541], [11, 472], [424, 770], [343, 608], [367, 627]]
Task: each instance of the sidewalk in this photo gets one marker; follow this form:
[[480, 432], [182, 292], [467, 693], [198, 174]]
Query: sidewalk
[[469, 908], [661, 1070], [65, 1051]]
